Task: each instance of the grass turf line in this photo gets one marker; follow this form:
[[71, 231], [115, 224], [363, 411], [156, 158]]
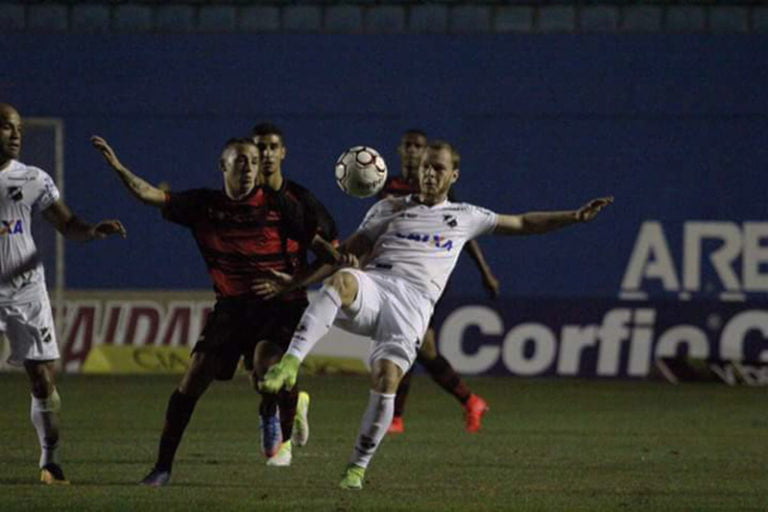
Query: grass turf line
[[546, 445]]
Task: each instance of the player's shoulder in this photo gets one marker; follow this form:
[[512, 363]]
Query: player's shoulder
[[21, 170], [390, 204], [195, 194], [36, 181], [294, 186], [306, 197], [202, 191], [299, 191], [466, 208]]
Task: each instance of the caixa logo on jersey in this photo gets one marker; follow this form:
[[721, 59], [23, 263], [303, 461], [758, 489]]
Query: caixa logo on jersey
[[438, 241], [598, 338], [11, 227], [720, 260]]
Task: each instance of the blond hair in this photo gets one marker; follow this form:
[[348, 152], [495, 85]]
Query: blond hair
[[438, 145]]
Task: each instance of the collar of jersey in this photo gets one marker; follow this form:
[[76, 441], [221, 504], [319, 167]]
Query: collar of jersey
[[414, 198], [12, 165], [246, 197]]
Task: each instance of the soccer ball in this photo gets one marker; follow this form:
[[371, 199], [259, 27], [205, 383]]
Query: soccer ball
[[361, 171]]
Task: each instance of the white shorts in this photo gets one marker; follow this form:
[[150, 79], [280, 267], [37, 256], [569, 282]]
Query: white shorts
[[30, 332], [389, 310]]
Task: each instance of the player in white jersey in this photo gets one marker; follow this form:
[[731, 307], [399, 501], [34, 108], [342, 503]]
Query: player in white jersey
[[25, 311], [413, 145], [409, 245]]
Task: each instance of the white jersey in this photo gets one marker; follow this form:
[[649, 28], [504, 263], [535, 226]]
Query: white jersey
[[24, 191], [422, 243]]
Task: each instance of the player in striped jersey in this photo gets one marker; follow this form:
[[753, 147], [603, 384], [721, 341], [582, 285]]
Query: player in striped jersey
[[292, 404], [413, 144], [246, 230], [25, 310]]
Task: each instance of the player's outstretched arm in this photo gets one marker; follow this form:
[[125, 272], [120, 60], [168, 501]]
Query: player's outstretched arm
[[325, 250], [75, 228], [278, 283], [543, 222], [140, 189]]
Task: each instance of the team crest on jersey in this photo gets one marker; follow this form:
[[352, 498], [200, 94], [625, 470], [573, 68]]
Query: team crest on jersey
[[15, 193], [450, 220]]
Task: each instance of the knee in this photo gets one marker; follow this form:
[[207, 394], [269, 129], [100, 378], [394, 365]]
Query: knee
[[345, 285], [199, 375], [41, 388], [265, 355], [41, 381], [385, 383], [386, 377]]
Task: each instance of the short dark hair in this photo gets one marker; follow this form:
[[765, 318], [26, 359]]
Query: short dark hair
[[267, 128]]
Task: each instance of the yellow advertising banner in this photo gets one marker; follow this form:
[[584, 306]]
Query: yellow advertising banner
[[150, 331], [129, 359]]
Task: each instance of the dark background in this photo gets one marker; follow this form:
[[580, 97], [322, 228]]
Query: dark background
[[672, 125]]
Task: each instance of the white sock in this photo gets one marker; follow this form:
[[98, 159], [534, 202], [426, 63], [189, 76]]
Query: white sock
[[376, 421], [44, 413], [315, 322]]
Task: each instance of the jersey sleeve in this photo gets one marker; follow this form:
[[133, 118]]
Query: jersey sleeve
[[48, 193], [481, 221], [185, 208], [294, 221], [317, 219], [375, 221]]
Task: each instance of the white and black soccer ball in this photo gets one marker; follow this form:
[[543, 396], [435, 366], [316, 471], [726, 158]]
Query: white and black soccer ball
[[361, 171]]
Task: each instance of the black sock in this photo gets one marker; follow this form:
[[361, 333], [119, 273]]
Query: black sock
[[268, 405], [177, 415], [287, 400], [443, 373]]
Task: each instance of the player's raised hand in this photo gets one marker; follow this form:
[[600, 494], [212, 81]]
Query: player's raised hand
[[590, 210], [106, 228], [347, 259], [106, 151], [271, 286]]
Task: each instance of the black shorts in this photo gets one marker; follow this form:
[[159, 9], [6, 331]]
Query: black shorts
[[236, 325]]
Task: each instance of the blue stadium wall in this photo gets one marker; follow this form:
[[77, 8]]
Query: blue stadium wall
[[672, 125]]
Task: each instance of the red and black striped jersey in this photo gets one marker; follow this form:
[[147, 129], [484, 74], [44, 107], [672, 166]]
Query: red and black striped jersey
[[241, 240], [398, 186]]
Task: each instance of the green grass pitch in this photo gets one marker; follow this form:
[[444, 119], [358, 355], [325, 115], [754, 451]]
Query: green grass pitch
[[547, 445]]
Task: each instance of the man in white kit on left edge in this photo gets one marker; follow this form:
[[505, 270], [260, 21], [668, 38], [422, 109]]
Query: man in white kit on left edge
[[26, 318]]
